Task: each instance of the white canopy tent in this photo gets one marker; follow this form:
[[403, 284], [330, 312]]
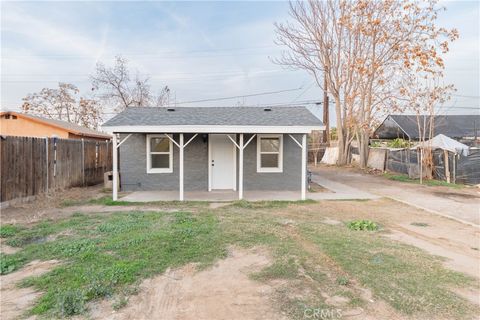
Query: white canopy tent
[[445, 143]]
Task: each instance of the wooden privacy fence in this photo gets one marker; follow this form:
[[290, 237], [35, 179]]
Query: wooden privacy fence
[[31, 166]]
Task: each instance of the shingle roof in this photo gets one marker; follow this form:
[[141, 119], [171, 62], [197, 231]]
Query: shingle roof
[[453, 126], [67, 126], [221, 116]]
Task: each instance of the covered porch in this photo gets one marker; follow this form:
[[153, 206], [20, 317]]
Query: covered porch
[[235, 141]]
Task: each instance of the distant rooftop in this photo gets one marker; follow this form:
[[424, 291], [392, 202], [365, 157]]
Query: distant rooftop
[[406, 126], [67, 126]]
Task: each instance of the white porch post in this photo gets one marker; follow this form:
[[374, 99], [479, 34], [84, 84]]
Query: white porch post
[[115, 168], [181, 147], [304, 166], [240, 169]]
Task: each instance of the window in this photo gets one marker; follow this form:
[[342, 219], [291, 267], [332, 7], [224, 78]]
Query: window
[[159, 154], [269, 153]]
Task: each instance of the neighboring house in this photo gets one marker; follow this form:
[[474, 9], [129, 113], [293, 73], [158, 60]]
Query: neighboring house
[[212, 148], [458, 127], [26, 125]]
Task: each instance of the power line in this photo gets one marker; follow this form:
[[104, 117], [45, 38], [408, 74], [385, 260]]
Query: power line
[[455, 107], [242, 96], [144, 57], [146, 74], [155, 54], [304, 91], [164, 79], [464, 96]]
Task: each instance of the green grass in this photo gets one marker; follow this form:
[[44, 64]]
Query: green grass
[[107, 201], [427, 182], [269, 204], [108, 253], [107, 256], [8, 230]]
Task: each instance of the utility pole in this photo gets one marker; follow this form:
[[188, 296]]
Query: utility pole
[[326, 133]]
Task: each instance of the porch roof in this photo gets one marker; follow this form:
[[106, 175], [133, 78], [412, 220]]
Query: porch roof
[[215, 120]]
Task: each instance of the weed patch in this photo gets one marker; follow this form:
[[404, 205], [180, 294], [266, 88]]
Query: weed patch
[[362, 225]]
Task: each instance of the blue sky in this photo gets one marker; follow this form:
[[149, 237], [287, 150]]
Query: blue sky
[[201, 50]]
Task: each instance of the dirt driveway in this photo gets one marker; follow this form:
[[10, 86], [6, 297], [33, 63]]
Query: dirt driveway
[[459, 204]]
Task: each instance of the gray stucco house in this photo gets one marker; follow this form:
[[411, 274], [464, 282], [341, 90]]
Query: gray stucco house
[[211, 148]]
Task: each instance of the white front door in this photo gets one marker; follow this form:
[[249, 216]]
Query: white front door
[[222, 162]]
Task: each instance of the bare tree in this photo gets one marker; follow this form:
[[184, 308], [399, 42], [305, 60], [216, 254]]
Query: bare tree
[[318, 44], [364, 49], [62, 103], [115, 87]]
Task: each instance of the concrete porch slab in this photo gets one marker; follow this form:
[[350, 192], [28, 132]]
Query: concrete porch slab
[[338, 192], [212, 196]]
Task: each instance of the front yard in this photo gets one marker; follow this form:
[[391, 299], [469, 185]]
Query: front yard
[[313, 264]]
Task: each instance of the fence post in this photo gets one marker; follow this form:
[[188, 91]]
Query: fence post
[[454, 168], [83, 162], [447, 166], [46, 162], [54, 157]]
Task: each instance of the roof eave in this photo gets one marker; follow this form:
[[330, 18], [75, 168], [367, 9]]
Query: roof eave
[[211, 129]]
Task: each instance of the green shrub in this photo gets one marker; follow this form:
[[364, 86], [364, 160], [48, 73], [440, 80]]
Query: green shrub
[[361, 225]]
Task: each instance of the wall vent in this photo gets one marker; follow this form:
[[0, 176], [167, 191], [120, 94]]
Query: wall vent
[[267, 109]]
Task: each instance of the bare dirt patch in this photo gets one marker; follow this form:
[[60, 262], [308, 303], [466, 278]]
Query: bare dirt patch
[[222, 292], [48, 205], [216, 205], [13, 300], [6, 249]]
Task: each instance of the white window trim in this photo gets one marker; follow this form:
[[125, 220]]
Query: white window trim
[[149, 158], [280, 153]]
